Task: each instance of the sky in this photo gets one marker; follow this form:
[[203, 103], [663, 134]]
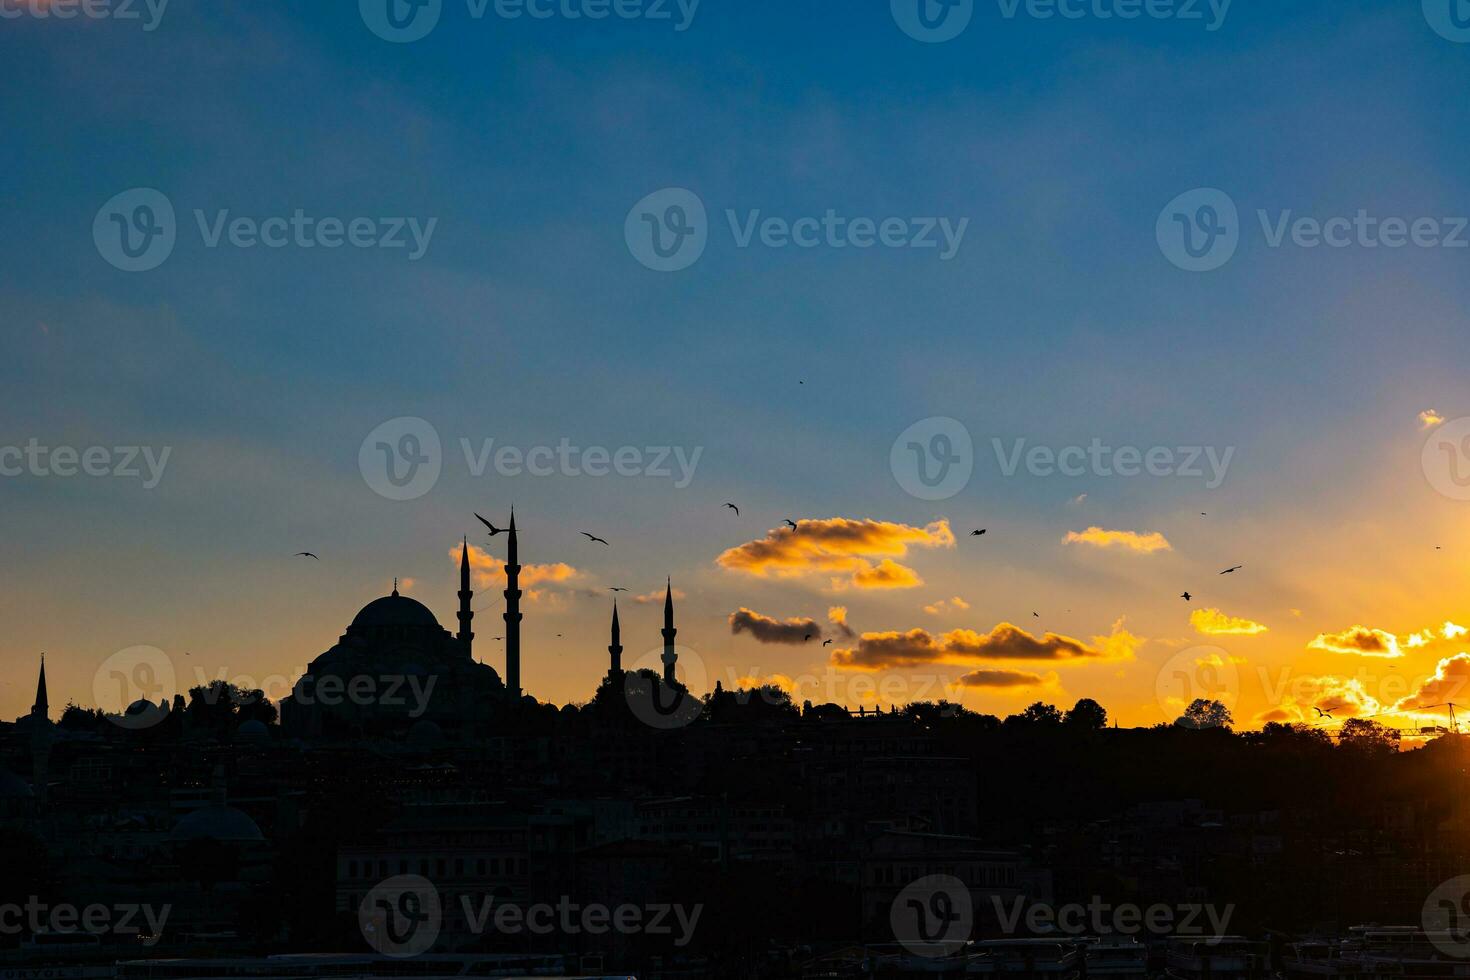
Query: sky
[[896, 277]]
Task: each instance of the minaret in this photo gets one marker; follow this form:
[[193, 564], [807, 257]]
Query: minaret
[[615, 648], [41, 708], [512, 614], [466, 635], [670, 657]]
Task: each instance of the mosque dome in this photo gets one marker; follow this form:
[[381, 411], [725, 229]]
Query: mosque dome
[[218, 822], [253, 730], [425, 735], [394, 611]]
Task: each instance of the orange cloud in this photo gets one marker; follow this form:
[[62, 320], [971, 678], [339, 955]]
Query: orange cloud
[[935, 608], [1429, 418], [1212, 622], [837, 616], [879, 651], [861, 550], [488, 572], [1342, 697], [1359, 640], [793, 632], [1145, 543], [656, 597], [1450, 677], [750, 682]]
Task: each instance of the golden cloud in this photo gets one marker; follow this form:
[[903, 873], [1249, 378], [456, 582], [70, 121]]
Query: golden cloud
[[1429, 418], [1449, 679], [837, 616], [880, 651], [1359, 640], [955, 602], [1145, 543], [1213, 622], [794, 631], [488, 572], [750, 682], [1341, 697], [656, 597], [861, 550]]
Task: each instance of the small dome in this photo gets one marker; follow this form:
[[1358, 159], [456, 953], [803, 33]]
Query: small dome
[[425, 734], [218, 822], [253, 730], [395, 610]]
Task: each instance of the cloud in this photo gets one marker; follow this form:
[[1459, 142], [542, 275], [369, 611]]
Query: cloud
[[1364, 641], [1145, 543], [991, 677], [862, 552], [1213, 622], [837, 616], [880, 651], [750, 682], [943, 605], [1449, 679], [656, 597], [488, 572], [794, 631], [1342, 697], [1429, 418], [1079, 500]]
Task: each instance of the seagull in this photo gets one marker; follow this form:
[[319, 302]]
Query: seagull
[[826, 643], [593, 537], [614, 588], [493, 529], [976, 534], [734, 508], [1235, 568], [1186, 596], [305, 554], [806, 638], [1037, 615], [790, 523], [1321, 713]]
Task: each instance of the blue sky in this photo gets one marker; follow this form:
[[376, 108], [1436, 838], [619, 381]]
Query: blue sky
[[529, 321]]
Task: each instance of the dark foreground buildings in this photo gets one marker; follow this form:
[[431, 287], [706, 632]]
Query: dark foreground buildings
[[653, 833]]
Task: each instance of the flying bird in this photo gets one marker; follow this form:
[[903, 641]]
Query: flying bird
[[826, 643], [806, 638], [1037, 615], [976, 534], [789, 522], [1186, 596], [493, 529], [593, 537], [305, 554], [614, 588], [734, 508], [1235, 568], [1321, 713]]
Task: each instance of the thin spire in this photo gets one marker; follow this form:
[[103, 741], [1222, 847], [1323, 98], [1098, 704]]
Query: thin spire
[[512, 613], [466, 596], [395, 585], [41, 707]]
